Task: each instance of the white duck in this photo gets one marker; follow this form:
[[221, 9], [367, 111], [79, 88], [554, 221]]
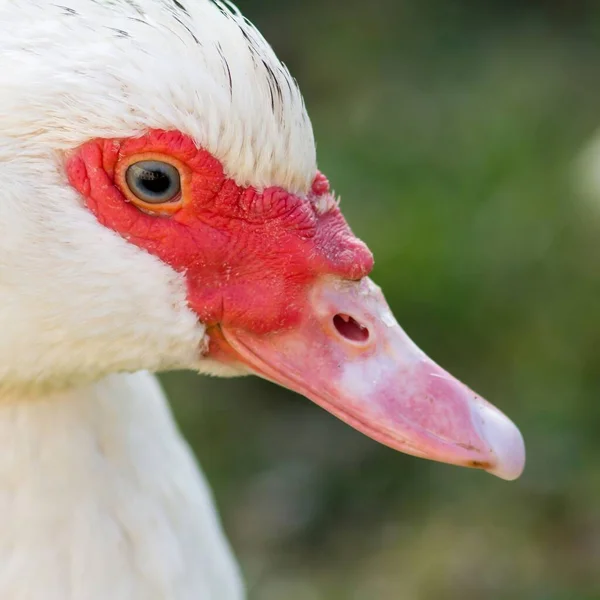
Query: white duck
[[161, 208]]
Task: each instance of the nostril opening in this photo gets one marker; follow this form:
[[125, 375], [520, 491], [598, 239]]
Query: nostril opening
[[350, 328]]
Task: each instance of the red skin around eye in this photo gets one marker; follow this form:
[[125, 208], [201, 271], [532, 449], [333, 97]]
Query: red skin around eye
[[256, 265], [249, 257]]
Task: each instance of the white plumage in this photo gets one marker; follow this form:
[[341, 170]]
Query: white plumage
[[72, 71], [99, 495], [101, 498]]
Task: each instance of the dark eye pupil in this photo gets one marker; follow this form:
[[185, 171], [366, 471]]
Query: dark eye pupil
[[155, 182]]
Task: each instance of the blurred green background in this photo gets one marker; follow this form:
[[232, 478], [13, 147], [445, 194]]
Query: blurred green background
[[450, 128]]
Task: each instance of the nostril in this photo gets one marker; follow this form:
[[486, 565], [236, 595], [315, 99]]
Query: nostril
[[350, 328]]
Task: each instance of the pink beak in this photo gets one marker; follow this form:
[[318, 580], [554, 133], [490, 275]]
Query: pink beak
[[350, 356]]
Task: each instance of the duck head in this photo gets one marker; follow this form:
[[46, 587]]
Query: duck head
[[164, 210]]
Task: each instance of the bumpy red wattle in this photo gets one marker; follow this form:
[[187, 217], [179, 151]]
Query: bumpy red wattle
[[249, 257]]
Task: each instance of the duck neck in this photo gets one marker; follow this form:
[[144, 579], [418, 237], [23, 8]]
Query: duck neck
[[101, 498]]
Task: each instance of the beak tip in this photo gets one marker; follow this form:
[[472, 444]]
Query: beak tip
[[505, 441]]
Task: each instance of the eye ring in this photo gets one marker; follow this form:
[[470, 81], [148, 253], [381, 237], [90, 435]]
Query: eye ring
[[168, 201], [154, 182]]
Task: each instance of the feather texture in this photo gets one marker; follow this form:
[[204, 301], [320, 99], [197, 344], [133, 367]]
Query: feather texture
[[77, 69], [99, 496]]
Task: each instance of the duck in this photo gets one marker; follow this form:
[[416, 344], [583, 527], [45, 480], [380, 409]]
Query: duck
[[161, 208]]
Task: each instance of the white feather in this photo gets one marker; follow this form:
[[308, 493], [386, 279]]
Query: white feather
[[99, 497], [78, 69]]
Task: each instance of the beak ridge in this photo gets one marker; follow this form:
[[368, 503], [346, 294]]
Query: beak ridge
[[349, 355]]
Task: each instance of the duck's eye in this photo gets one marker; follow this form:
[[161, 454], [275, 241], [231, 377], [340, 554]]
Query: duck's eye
[[154, 182]]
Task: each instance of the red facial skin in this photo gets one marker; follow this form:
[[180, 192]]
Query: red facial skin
[[270, 275], [248, 256]]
